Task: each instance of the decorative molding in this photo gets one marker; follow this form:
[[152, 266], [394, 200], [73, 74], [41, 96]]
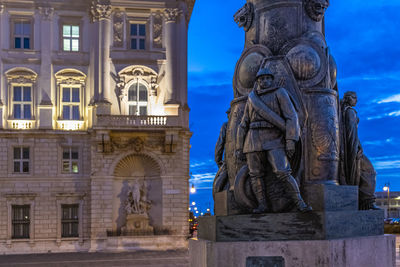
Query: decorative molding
[[100, 10], [172, 14], [26, 196], [46, 12]]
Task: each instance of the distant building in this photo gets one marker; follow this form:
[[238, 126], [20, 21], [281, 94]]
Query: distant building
[[93, 98], [394, 203]]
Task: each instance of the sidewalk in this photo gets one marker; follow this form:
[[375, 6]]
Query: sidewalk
[[137, 258]]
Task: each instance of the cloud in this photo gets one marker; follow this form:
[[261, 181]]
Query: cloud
[[198, 164], [203, 178], [390, 114], [392, 98], [389, 164]]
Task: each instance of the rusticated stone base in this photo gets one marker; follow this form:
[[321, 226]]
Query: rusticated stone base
[[291, 226], [371, 251]]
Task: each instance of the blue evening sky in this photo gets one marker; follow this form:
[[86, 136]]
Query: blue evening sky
[[364, 38]]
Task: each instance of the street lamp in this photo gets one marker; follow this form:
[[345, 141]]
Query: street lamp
[[387, 188], [192, 189]]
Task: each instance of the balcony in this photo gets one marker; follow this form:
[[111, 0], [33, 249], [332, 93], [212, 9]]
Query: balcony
[[21, 124], [70, 125], [123, 121]]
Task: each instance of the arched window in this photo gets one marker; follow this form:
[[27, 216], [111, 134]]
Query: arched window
[[137, 99]]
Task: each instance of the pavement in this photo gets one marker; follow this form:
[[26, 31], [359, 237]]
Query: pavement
[[173, 258]]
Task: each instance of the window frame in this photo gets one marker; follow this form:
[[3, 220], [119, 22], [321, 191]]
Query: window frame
[[22, 222], [70, 221], [13, 20], [22, 103], [21, 160], [70, 160], [70, 104], [138, 21], [61, 102], [138, 102], [71, 37], [72, 21], [70, 199]]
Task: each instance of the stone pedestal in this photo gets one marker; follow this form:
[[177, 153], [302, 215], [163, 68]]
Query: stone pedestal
[[371, 251], [137, 224]]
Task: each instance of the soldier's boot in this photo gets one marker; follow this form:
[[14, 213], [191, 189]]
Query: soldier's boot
[[368, 204], [258, 186], [293, 191]]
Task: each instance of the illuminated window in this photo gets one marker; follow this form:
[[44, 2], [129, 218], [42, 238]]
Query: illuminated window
[[20, 221], [70, 38], [137, 99], [70, 103], [21, 159], [22, 33], [22, 102], [70, 220], [70, 160], [138, 36]]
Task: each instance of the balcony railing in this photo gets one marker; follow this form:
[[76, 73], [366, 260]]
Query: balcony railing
[[70, 125], [137, 121], [21, 124]]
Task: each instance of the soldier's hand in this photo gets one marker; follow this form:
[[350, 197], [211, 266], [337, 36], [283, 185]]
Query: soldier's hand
[[290, 148]]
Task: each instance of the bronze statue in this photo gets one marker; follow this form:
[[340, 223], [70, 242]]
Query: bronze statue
[[356, 167], [221, 181], [267, 136]]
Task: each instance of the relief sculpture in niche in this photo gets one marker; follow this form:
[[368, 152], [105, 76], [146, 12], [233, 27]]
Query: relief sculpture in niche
[[137, 207], [118, 28], [157, 30]]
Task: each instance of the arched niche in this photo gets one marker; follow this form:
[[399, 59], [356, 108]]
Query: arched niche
[[141, 169]]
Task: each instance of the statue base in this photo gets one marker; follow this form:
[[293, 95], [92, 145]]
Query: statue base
[[137, 224], [357, 251], [291, 226]]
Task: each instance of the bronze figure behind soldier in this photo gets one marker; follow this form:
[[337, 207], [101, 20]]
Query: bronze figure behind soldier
[[356, 167]]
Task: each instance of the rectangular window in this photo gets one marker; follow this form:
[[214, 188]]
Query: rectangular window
[[20, 221], [22, 33], [21, 159], [70, 37], [70, 103], [138, 36], [70, 220], [22, 102], [70, 161]]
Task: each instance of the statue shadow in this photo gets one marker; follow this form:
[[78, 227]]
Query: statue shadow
[[121, 219]]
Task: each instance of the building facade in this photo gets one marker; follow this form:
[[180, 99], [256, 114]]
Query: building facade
[[93, 100], [389, 202]]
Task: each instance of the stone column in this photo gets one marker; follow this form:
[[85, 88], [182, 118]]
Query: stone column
[[45, 83], [2, 79], [171, 17], [101, 16]]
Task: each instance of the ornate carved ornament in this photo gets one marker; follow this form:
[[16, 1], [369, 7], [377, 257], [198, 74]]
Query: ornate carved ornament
[[244, 16], [157, 30], [100, 9], [137, 143], [46, 12], [172, 14], [21, 76], [70, 77], [136, 72], [316, 8], [118, 28], [1, 9]]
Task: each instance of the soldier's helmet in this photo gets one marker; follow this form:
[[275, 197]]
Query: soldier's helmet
[[264, 72]]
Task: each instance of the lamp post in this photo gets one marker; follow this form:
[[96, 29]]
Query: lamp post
[[387, 188]]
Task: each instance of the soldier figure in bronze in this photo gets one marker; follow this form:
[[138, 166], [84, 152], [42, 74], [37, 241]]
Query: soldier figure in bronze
[[356, 167], [267, 135], [221, 181]]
